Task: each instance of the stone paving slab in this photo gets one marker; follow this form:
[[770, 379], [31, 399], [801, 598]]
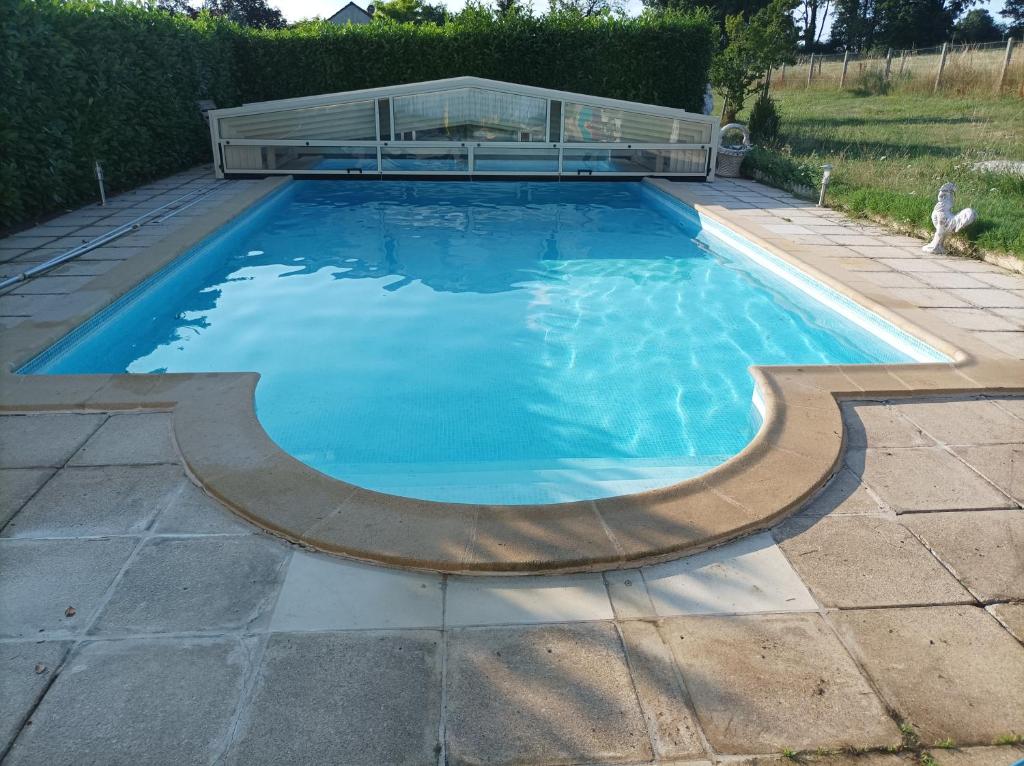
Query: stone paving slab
[[196, 584], [36, 441], [858, 561], [526, 600], [17, 485], [1001, 464], [51, 285], [137, 702], [665, 704], [354, 698], [973, 319], [1011, 343], [325, 593], [886, 426], [1015, 316], [972, 422], [767, 682], [991, 298], [978, 756], [628, 594], [844, 494], [967, 756], [78, 268], [1012, 618], [531, 695], [985, 550], [108, 500], [25, 671], [924, 479], [749, 575], [951, 671], [42, 578], [130, 440], [1012, 404], [192, 511]]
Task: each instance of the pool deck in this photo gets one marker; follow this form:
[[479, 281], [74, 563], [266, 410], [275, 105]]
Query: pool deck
[[141, 622]]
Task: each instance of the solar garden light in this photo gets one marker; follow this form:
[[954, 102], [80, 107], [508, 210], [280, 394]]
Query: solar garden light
[[99, 178], [824, 183]]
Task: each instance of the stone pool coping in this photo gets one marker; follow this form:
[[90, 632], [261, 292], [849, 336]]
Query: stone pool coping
[[231, 457]]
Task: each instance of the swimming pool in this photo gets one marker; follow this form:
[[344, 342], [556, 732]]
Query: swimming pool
[[486, 342]]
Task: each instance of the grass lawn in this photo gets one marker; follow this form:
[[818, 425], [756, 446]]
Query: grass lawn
[[891, 153]]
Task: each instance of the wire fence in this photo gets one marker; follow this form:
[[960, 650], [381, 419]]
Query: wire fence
[[976, 69]]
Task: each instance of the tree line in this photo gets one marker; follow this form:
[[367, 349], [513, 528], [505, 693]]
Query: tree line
[[821, 25]]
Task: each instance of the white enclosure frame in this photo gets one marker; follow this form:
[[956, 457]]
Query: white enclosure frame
[[700, 165]]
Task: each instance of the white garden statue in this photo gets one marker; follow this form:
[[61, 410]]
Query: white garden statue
[[945, 222]]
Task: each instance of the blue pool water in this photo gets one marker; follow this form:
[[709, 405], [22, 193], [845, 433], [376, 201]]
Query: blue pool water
[[484, 342]]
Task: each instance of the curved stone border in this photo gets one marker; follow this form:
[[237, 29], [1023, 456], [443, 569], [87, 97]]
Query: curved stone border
[[229, 454]]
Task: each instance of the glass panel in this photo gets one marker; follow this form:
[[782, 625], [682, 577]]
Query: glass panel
[[555, 124], [338, 122], [310, 159], [454, 160], [635, 161], [584, 124], [384, 118], [469, 114], [592, 160], [510, 160]]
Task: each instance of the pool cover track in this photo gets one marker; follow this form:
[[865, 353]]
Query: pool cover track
[[224, 447]]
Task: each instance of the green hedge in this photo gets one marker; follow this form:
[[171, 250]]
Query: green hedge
[[82, 80], [653, 59]]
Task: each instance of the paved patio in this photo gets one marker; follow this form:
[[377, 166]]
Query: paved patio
[[140, 622]]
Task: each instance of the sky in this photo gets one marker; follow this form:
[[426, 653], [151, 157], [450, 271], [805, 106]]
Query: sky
[[296, 10]]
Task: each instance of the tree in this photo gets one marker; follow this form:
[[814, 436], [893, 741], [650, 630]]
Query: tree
[[860, 25], [1013, 12], [177, 7], [586, 7], [722, 9], [504, 8], [977, 26], [409, 12], [813, 17], [852, 24], [248, 13], [765, 41]]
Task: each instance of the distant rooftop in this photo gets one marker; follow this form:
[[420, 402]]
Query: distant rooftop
[[352, 14]]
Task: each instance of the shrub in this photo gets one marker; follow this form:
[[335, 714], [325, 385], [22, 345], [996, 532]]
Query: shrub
[[782, 170], [763, 123], [871, 82], [87, 80]]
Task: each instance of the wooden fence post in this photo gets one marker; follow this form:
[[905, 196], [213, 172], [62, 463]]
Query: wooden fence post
[[1006, 65], [942, 65], [846, 63], [888, 65], [903, 61], [782, 76], [810, 70]]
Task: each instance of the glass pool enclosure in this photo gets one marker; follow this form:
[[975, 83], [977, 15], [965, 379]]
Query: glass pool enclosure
[[465, 126]]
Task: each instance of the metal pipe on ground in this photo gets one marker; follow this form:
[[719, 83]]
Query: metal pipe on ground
[[110, 236]]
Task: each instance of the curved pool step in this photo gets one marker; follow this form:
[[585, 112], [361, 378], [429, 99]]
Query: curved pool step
[[522, 482]]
